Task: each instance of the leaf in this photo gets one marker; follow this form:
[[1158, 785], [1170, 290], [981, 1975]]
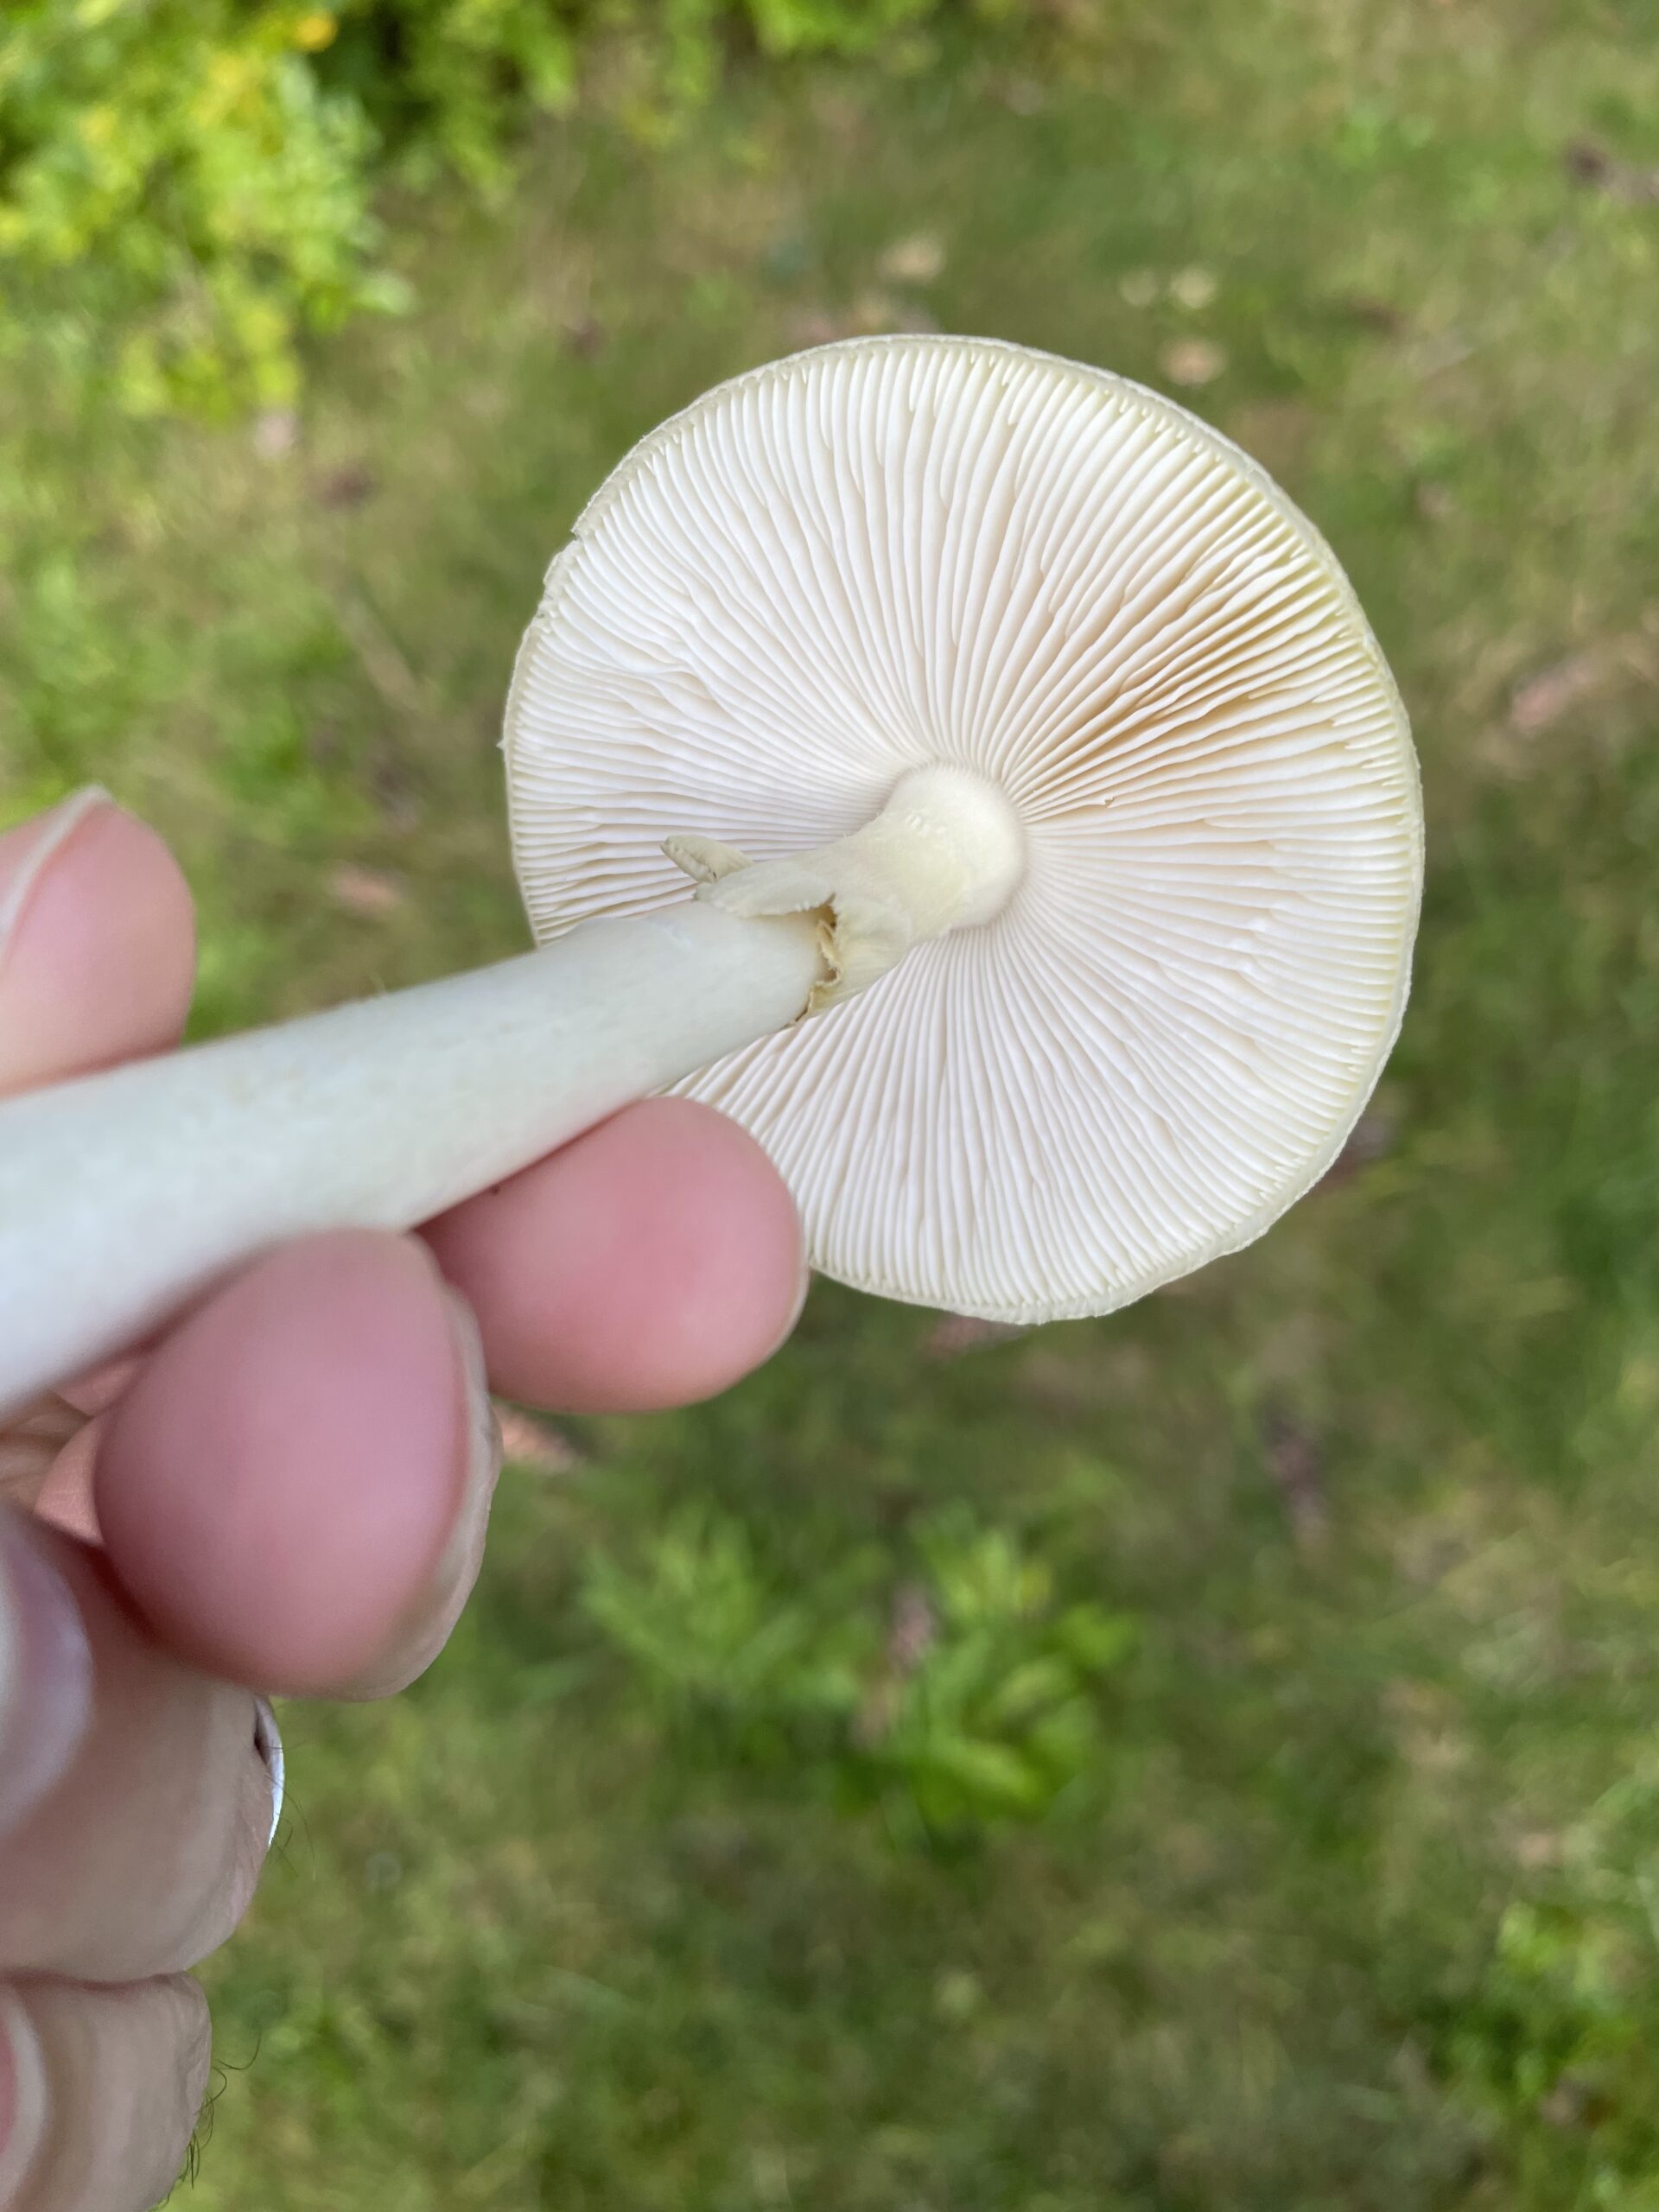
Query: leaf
[[1023, 1692], [1094, 1639], [993, 1777]]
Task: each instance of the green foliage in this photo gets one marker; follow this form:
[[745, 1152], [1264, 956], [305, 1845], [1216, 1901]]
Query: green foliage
[[187, 187], [446, 84], [174, 173], [966, 1700], [715, 1639], [987, 1708], [1559, 2041]]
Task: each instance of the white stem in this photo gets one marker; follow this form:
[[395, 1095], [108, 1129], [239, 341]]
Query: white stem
[[123, 1195]]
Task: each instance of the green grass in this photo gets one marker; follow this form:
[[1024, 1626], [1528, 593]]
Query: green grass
[[1341, 1892]]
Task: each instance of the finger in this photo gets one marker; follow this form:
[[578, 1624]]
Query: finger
[[97, 942], [652, 1263], [47, 1456], [294, 1490], [106, 2085], [134, 1808], [31, 1446]]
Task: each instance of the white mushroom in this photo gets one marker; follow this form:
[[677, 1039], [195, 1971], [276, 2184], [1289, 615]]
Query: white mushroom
[[1020, 733]]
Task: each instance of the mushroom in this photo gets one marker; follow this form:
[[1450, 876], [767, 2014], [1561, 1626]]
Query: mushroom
[[1057, 846]]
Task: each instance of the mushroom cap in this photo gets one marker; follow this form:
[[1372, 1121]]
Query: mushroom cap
[[893, 552]]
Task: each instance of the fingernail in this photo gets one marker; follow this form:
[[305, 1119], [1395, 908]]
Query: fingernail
[[420, 1637], [8, 2088], [46, 1674], [268, 1743], [796, 1312], [22, 2097], [28, 851], [482, 1446]]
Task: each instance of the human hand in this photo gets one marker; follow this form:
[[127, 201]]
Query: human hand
[[287, 1492]]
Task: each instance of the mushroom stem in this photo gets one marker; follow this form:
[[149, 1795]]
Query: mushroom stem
[[123, 1195], [946, 850]]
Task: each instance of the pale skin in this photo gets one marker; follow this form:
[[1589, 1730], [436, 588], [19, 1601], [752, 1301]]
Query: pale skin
[[287, 1493]]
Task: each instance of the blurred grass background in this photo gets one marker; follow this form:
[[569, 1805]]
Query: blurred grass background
[[1206, 1760]]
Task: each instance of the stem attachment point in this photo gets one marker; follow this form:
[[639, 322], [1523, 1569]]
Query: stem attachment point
[[946, 851]]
